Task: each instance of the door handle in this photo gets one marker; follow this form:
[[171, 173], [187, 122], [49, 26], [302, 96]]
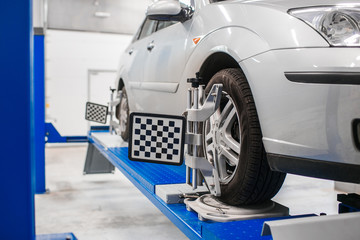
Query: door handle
[[150, 46], [131, 51]]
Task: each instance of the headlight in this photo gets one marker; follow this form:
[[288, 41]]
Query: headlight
[[339, 25]]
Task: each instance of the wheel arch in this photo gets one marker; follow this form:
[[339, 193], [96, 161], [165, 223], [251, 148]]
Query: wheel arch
[[215, 63], [223, 60], [120, 84], [223, 48]]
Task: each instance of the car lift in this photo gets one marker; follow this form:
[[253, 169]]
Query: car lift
[[164, 185]]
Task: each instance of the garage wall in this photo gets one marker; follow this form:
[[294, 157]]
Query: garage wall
[[69, 56], [115, 16]]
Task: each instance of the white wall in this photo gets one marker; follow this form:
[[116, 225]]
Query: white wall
[[123, 17], [69, 55]]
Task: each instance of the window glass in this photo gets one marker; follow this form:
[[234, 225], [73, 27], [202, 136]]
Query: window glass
[[164, 24], [148, 28], [136, 36]]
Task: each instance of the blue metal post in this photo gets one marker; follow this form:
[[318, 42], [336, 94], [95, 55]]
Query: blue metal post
[[17, 165], [39, 109]]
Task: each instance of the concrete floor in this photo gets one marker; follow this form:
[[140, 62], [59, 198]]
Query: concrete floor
[[108, 206], [94, 207]]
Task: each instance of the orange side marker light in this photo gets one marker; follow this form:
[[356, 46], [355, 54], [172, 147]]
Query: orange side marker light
[[196, 40]]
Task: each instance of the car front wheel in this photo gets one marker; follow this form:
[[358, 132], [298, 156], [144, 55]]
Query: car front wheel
[[233, 138]]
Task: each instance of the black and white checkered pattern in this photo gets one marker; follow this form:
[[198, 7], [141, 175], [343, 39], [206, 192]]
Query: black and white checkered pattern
[[156, 138], [96, 112]]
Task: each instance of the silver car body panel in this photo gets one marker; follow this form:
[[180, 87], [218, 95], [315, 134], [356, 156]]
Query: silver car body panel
[[297, 119]]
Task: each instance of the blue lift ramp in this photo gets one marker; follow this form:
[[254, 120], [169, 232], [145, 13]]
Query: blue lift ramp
[[145, 176]]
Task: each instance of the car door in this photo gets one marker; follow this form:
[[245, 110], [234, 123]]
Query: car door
[[134, 61], [164, 67]]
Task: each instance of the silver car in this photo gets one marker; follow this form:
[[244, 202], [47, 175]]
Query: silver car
[[291, 85]]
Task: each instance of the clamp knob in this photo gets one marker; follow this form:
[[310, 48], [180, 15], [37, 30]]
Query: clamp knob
[[195, 82]]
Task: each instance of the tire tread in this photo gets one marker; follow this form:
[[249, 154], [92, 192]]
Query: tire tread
[[256, 183]]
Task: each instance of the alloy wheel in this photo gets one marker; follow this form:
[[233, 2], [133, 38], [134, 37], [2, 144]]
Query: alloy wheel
[[222, 139]]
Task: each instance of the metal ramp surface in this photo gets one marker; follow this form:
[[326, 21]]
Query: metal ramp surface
[[145, 176]]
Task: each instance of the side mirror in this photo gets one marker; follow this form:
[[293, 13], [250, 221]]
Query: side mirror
[[168, 10]]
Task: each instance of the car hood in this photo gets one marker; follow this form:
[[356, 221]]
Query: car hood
[[285, 5]]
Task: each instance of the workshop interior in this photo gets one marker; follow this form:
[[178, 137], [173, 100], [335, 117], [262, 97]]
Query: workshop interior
[[180, 119]]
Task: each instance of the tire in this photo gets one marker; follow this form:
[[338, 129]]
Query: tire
[[122, 114], [233, 134]]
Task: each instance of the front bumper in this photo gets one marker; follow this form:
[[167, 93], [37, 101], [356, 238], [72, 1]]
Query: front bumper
[[306, 118]]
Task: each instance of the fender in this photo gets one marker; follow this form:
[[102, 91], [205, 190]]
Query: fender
[[237, 30], [222, 40]]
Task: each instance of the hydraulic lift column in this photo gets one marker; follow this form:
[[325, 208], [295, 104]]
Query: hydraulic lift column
[[16, 144]]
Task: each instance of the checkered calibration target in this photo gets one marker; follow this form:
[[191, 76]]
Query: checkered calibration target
[[156, 138], [96, 113]]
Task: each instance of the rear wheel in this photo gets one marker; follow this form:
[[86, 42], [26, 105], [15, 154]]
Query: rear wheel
[[233, 138], [122, 114]]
